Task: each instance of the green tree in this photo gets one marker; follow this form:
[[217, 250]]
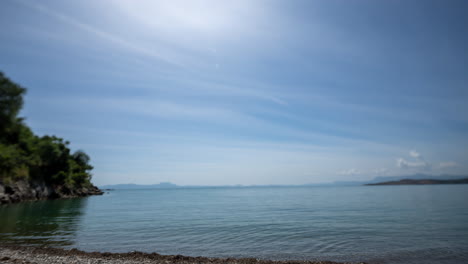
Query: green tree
[[11, 102], [27, 156]]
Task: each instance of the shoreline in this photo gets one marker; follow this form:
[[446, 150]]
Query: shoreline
[[420, 182], [49, 255], [23, 191]]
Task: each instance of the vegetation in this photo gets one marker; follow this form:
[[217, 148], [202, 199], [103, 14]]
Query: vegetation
[[24, 155]]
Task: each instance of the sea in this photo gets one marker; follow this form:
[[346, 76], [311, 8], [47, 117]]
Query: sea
[[374, 224]]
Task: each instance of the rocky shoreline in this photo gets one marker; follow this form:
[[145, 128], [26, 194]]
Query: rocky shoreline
[[30, 191], [38, 255]]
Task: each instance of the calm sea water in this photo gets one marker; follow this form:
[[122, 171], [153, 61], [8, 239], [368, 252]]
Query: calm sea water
[[376, 224]]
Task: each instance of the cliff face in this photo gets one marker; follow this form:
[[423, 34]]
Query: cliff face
[[28, 191]]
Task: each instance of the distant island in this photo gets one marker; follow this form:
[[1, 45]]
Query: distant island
[[421, 182], [380, 180], [36, 167]]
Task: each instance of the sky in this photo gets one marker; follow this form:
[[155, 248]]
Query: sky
[[210, 92]]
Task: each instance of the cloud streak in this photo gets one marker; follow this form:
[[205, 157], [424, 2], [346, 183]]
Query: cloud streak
[[448, 164], [415, 154], [418, 164], [112, 38], [350, 172], [404, 164]]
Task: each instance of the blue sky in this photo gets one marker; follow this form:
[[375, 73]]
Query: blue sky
[[245, 92]]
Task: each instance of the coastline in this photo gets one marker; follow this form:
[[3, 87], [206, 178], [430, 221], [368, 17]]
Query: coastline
[[47, 255], [420, 182], [22, 190]]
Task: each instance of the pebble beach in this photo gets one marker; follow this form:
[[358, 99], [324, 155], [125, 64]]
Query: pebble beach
[[37, 255]]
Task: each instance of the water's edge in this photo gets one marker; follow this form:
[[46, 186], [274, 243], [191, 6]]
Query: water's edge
[[87, 257], [23, 191]]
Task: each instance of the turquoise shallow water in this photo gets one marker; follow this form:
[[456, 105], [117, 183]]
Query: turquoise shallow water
[[377, 224]]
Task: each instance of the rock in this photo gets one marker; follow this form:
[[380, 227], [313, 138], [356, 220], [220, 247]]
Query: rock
[[23, 191], [4, 199]]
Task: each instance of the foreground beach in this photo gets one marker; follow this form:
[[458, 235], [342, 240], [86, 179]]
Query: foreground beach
[[36, 255]]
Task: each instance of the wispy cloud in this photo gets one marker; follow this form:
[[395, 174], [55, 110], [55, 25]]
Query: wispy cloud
[[112, 38], [381, 171], [447, 164], [351, 172], [208, 113], [404, 164], [248, 90], [418, 163], [415, 154]]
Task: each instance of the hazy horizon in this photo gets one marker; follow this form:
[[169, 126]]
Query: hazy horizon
[[245, 92]]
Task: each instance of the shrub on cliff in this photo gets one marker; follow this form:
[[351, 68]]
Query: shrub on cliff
[[24, 155]]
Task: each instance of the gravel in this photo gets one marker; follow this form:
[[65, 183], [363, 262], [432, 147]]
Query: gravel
[[36, 255]]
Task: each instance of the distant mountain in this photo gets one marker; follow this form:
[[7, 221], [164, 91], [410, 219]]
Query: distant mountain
[[162, 185], [379, 179], [422, 182], [418, 176]]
